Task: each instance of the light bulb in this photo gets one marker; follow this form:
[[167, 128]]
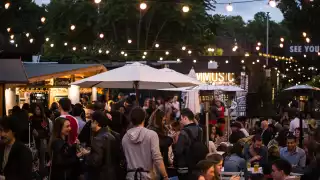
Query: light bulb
[[257, 48], [143, 57], [272, 3], [65, 44], [7, 5], [253, 63], [51, 45], [27, 34], [178, 60], [12, 36], [167, 53], [281, 45], [246, 54], [183, 48], [259, 43], [161, 58], [8, 29], [157, 45], [143, 6], [227, 61], [145, 53], [107, 51], [242, 61], [11, 41], [74, 48], [258, 60], [304, 34], [125, 54], [189, 52], [97, 1], [43, 19], [194, 61], [84, 48], [185, 9], [72, 27], [100, 51], [229, 7], [282, 39], [129, 41], [47, 39], [122, 52], [31, 40], [101, 35], [307, 40], [304, 56]]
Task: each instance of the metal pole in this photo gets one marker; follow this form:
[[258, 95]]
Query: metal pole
[[267, 41], [207, 128]]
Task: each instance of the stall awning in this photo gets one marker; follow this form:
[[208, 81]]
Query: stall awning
[[43, 71]]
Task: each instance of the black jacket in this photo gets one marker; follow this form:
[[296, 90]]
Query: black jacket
[[184, 142], [267, 136], [64, 162], [19, 164], [103, 159]]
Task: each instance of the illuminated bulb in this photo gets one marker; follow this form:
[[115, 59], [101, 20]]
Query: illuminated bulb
[[43, 19], [272, 3], [210, 61], [304, 56], [161, 58], [194, 61], [307, 40], [229, 7], [27, 34], [11, 41], [258, 60], [264, 66], [65, 44], [107, 52], [234, 49], [210, 49], [185, 9], [304, 34], [47, 39], [167, 52], [12, 36], [257, 48], [100, 51], [101, 35], [122, 52], [253, 63], [178, 60], [8, 29], [259, 43], [183, 48], [7, 5], [72, 27], [31, 40], [189, 52], [125, 54], [281, 45], [85, 48], [227, 61], [242, 61], [97, 1], [74, 48], [282, 39], [143, 57], [276, 59], [51, 45], [129, 41], [145, 53], [246, 54], [157, 45], [16, 45], [143, 6]]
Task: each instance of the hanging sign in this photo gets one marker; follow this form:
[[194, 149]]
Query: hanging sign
[[212, 77], [304, 49]]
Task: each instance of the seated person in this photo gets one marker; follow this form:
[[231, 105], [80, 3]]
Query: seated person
[[293, 154], [234, 162], [281, 170], [256, 152]]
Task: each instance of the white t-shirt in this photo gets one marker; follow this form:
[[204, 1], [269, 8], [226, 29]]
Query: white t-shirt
[[295, 123]]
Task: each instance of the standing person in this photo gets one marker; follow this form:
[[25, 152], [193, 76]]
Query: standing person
[[189, 140], [176, 106], [141, 148], [236, 134], [15, 157], [267, 133], [65, 108], [64, 157], [102, 160], [294, 154], [77, 112]]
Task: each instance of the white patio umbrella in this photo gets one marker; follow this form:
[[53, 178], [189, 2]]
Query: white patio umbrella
[[302, 87], [193, 102], [175, 74], [135, 75]]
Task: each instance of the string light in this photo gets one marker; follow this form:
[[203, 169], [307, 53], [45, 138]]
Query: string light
[[125, 54], [189, 52], [242, 61], [143, 6], [304, 56], [282, 39], [27, 34], [160, 58], [167, 53], [143, 57], [51, 45], [157, 45], [229, 7], [101, 35], [210, 49], [12, 36], [185, 9], [272, 3], [43, 19], [100, 51], [307, 40], [194, 61], [178, 60], [281, 45], [11, 41], [129, 41], [145, 53], [84, 48], [7, 5], [258, 60], [97, 1], [8, 29], [227, 61], [31, 40], [122, 52], [72, 27], [65, 44], [47, 39], [246, 54], [257, 48], [74, 48], [183, 48], [107, 51], [304, 34], [259, 43]]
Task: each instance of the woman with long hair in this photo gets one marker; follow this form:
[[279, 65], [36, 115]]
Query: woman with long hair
[[64, 157]]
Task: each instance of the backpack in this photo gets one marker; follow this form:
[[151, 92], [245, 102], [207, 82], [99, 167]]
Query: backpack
[[197, 150]]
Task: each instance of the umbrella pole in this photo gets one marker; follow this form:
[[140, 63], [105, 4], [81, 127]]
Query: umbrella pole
[[136, 87]]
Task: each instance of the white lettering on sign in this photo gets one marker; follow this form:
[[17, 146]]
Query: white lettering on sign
[[305, 49], [215, 77]]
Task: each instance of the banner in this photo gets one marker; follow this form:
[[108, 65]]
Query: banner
[[303, 49]]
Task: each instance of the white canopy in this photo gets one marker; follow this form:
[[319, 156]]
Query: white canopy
[[143, 75], [176, 75], [302, 87]]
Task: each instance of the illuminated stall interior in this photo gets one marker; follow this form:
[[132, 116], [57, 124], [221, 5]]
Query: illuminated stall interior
[[50, 82]]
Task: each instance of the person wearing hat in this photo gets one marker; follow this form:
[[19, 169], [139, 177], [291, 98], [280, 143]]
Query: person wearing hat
[[236, 133]]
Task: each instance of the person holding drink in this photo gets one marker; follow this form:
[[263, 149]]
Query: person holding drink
[[256, 152]]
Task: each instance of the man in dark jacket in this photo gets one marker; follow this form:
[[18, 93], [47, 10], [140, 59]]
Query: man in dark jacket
[[15, 157], [236, 134], [184, 143], [103, 159]]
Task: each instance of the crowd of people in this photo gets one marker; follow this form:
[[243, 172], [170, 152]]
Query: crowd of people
[[120, 140]]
